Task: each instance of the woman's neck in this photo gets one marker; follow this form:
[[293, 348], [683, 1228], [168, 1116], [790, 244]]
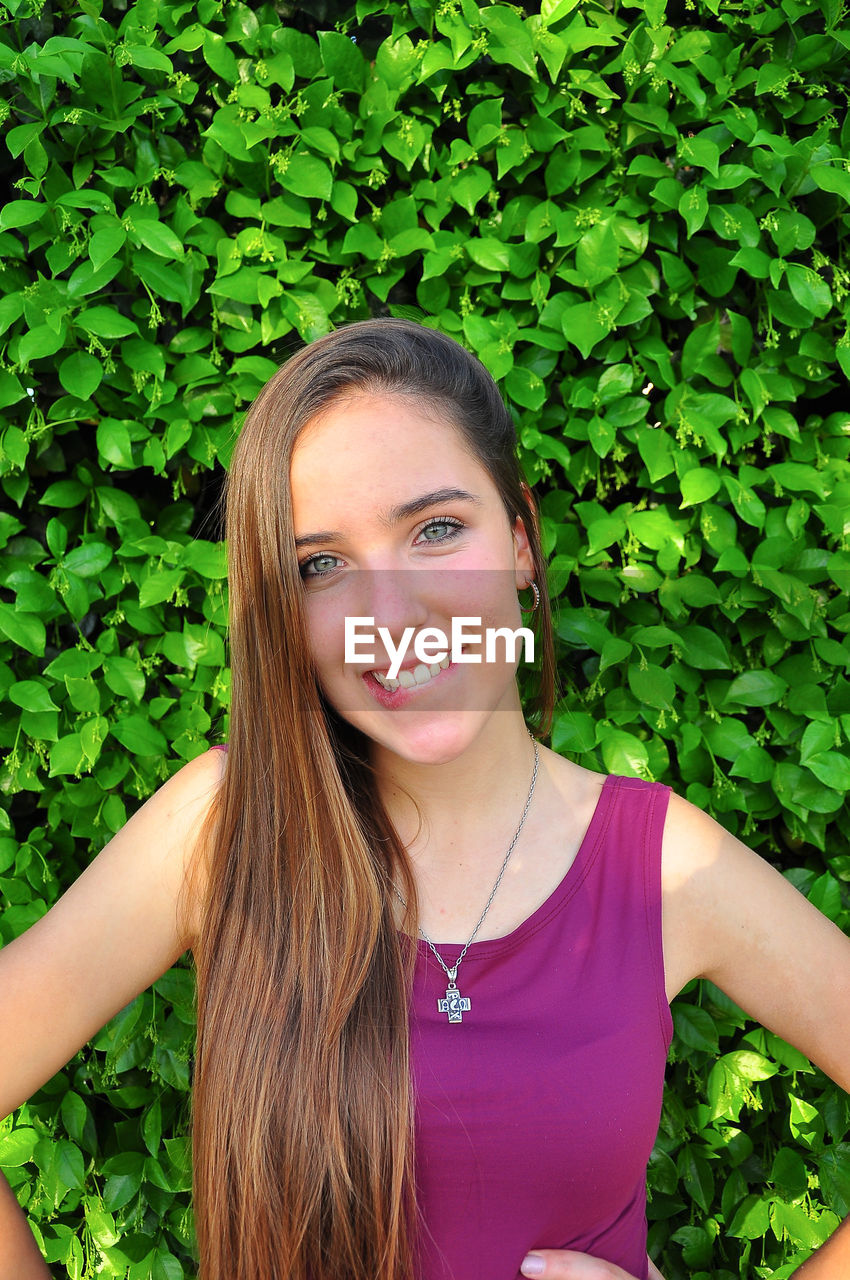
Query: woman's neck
[[482, 790]]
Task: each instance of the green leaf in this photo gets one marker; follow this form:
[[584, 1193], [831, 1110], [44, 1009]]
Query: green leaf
[[700, 151], [510, 39], [834, 1176], [106, 243], [308, 176], [123, 1178], [831, 178], [525, 387], [343, 61], [21, 213], [18, 139], [31, 696], [67, 755], [788, 1173], [832, 769], [149, 59], [81, 374], [101, 1225], [800, 1226], [756, 689], [17, 1147], [601, 435], [652, 685], [693, 206], [809, 289], [695, 1027], [140, 737], [698, 485], [696, 1175], [124, 677], [88, 560], [106, 322], [623, 753], [160, 585], [597, 254], [113, 443], [157, 237], [395, 62], [220, 58], [552, 11], [208, 559], [484, 124], [751, 1219], [553, 50], [469, 187], [40, 342], [11, 308], [68, 1163], [24, 629], [749, 1065], [489, 253], [574, 731], [754, 763]]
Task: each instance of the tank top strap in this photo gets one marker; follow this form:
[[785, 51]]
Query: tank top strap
[[632, 854]]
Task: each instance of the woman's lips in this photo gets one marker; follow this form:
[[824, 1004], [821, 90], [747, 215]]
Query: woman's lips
[[392, 699]]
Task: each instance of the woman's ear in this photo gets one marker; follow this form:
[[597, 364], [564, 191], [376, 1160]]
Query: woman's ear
[[524, 558]]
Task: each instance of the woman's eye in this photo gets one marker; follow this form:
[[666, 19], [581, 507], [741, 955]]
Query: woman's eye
[[312, 568], [453, 526]]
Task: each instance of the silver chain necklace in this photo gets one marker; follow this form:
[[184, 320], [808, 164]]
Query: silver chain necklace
[[454, 1004]]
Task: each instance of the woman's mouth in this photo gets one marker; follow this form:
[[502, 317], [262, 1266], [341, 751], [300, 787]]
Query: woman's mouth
[[406, 679]]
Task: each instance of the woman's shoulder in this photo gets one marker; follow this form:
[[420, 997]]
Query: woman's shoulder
[[689, 836], [582, 789], [186, 800], [164, 842], [571, 777]]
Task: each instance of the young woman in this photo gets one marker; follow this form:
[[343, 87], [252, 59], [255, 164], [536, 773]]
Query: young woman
[[434, 958]]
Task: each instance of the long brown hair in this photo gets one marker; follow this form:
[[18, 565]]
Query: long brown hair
[[302, 1127]]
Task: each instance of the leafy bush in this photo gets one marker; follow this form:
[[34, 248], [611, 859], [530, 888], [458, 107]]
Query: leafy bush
[[637, 216]]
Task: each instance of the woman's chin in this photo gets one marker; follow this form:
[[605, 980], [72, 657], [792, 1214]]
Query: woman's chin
[[424, 739]]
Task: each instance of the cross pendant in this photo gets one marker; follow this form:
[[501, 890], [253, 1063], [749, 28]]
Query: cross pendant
[[454, 1004]]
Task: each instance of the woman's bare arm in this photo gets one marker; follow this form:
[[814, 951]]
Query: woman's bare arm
[[112, 933], [20, 1258], [731, 917]]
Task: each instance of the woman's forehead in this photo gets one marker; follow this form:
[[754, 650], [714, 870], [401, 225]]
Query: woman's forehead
[[379, 451], [357, 430], [354, 408]]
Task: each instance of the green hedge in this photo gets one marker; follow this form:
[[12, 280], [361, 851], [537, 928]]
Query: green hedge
[[637, 216]]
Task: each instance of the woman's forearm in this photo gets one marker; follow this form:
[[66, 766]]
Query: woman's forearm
[[20, 1258], [832, 1260]]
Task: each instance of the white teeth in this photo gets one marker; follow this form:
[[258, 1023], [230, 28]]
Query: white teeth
[[408, 679]]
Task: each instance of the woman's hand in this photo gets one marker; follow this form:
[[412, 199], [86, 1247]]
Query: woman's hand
[[566, 1264]]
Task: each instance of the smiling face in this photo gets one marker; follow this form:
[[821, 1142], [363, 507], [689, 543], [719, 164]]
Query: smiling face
[[396, 520]]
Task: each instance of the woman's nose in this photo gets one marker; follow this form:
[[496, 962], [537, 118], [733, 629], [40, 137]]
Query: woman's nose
[[395, 598]]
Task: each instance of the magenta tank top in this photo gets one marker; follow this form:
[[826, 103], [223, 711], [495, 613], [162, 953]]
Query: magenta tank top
[[537, 1114]]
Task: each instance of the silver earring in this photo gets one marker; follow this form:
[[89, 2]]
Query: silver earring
[[534, 587]]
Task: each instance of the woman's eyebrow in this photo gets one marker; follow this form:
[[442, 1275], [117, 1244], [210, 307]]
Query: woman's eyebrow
[[394, 515]]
